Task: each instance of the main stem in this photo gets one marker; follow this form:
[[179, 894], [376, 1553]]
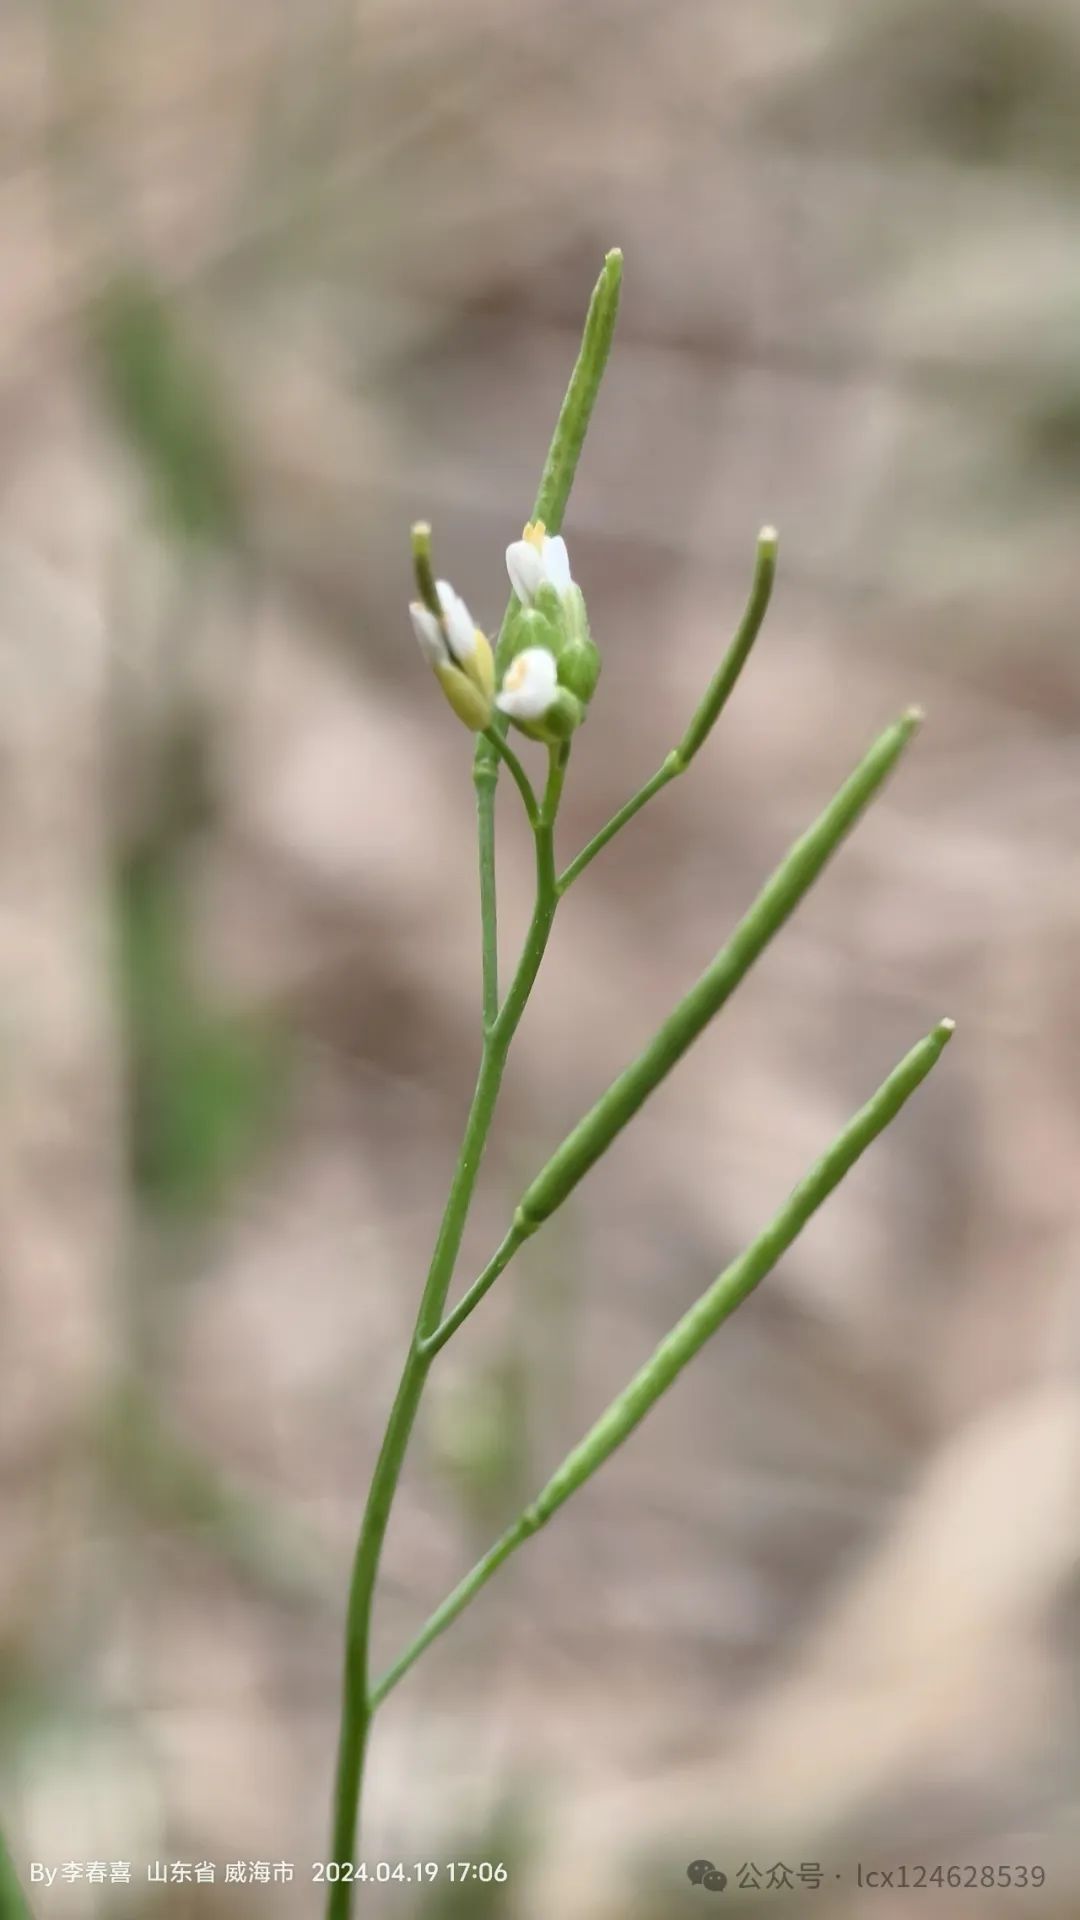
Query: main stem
[[500, 1027], [356, 1709]]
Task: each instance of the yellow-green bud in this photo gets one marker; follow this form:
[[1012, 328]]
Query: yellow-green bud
[[469, 702], [458, 653]]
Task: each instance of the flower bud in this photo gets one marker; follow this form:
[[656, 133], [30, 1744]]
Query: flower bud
[[534, 700], [538, 559], [455, 649], [468, 701], [579, 657], [529, 628]]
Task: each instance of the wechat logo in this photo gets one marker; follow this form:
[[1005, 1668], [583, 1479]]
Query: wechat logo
[[702, 1873]]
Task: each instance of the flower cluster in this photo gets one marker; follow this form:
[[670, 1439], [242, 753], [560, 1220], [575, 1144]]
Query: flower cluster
[[551, 664]]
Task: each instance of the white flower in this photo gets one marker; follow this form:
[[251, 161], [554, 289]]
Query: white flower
[[458, 623], [450, 641], [429, 635], [536, 560], [530, 686]]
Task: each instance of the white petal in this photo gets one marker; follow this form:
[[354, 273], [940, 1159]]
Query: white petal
[[530, 686], [526, 570], [429, 634], [458, 622], [557, 563]]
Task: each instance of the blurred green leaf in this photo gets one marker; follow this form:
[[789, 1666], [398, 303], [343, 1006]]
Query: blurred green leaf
[[13, 1901], [504, 1840], [165, 398], [173, 1484], [204, 1086], [1052, 432], [477, 1433]]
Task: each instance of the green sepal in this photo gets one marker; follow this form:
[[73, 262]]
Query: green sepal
[[548, 604], [479, 667], [561, 626], [576, 652], [565, 714], [530, 627], [469, 703], [579, 668]]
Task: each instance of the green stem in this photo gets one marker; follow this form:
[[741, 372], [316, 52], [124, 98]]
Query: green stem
[[500, 1260], [485, 776], [687, 1337], [357, 1707], [520, 777], [663, 777], [547, 898], [707, 713], [485, 780]]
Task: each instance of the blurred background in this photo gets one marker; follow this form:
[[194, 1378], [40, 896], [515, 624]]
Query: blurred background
[[276, 281]]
